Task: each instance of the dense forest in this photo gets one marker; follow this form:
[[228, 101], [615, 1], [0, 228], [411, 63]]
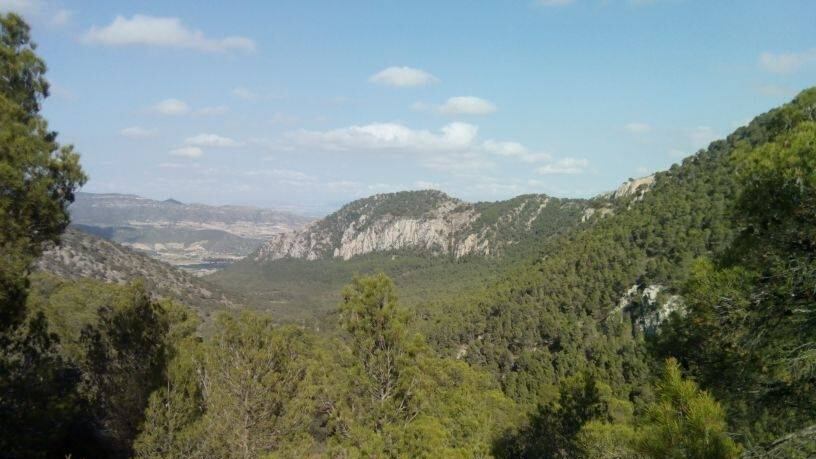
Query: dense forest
[[683, 325]]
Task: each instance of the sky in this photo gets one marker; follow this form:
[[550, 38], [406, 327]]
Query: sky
[[306, 105]]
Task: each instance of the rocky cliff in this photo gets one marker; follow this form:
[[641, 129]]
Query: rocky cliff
[[426, 221]]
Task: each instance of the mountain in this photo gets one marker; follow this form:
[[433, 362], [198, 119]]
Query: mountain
[[431, 244], [82, 255], [196, 237], [428, 222]]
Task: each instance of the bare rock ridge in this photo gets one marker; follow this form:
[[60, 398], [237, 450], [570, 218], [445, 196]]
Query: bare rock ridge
[[426, 221], [634, 187], [83, 255]]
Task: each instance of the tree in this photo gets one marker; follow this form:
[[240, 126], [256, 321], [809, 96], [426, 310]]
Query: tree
[[684, 422], [124, 359], [371, 316], [38, 177]]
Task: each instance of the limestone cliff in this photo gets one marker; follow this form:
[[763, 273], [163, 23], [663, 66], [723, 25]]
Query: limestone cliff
[[423, 221]]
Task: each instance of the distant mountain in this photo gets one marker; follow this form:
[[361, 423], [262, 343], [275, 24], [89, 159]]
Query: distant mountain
[[425, 222], [83, 255], [193, 236], [430, 243]]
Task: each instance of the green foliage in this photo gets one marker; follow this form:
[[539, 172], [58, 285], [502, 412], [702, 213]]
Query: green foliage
[[750, 319], [37, 182], [684, 422]]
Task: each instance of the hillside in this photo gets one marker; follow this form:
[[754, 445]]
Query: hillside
[[595, 297], [197, 237], [431, 244], [82, 255], [427, 222]]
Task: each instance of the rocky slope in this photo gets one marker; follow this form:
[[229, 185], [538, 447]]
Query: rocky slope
[[81, 255], [429, 222], [192, 236]]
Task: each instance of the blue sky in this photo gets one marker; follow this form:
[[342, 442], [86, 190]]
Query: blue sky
[[307, 105]]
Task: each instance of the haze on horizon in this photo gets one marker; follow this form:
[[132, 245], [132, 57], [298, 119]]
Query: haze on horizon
[[308, 105]]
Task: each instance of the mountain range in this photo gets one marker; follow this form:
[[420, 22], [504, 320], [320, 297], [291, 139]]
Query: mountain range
[[196, 237]]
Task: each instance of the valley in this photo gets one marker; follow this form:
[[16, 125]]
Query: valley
[[540, 307], [198, 238]]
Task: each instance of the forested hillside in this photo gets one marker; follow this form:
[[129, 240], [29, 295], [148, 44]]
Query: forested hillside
[[432, 246], [572, 312]]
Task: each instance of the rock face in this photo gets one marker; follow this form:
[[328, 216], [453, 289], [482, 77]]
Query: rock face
[[634, 187], [424, 221], [649, 306], [82, 255]]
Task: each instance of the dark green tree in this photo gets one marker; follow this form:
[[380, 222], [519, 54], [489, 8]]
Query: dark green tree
[[38, 178]]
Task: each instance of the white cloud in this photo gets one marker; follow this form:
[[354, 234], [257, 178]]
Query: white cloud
[[187, 152], [61, 17], [172, 166], [514, 150], [284, 176], [171, 107], [212, 140], [390, 136], [785, 63], [467, 105], [163, 32], [773, 90], [137, 132], [569, 166], [42, 10], [638, 128], [212, 111], [244, 93], [554, 2], [403, 77], [701, 136], [23, 7]]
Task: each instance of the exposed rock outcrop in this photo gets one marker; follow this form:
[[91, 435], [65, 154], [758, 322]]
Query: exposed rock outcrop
[[648, 306], [425, 221], [635, 188]]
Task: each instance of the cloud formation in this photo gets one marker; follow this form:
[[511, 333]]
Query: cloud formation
[[137, 132], [638, 128], [515, 150], [403, 77], [389, 136], [166, 32], [467, 105], [187, 152], [171, 107], [786, 63], [568, 166], [244, 94], [212, 140]]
